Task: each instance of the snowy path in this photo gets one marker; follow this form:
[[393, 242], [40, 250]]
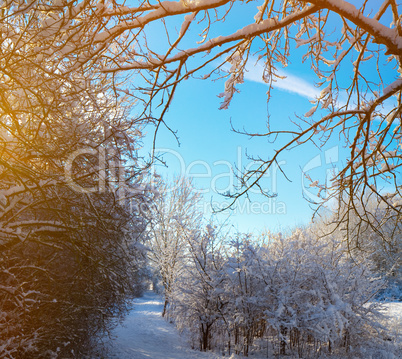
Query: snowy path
[[144, 334]]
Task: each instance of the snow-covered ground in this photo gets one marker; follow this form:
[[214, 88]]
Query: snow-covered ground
[[394, 311], [144, 334]]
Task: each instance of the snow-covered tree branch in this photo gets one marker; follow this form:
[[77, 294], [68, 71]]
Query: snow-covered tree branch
[[354, 51]]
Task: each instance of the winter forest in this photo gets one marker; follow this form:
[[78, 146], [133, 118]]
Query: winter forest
[[92, 216]]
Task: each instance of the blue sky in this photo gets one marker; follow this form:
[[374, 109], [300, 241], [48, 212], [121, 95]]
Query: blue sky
[[210, 151]]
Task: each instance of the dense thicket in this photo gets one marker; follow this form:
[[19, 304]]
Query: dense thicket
[[61, 290], [72, 202], [296, 294]]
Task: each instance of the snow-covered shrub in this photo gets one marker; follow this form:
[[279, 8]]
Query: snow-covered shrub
[[302, 294], [197, 300], [243, 295], [61, 289], [318, 295]]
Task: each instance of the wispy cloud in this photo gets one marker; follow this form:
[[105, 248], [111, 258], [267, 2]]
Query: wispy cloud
[[291, 83], [297, 85]]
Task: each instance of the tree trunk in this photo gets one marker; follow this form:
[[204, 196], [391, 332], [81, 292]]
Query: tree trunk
[[282, 347], [164, 307]]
